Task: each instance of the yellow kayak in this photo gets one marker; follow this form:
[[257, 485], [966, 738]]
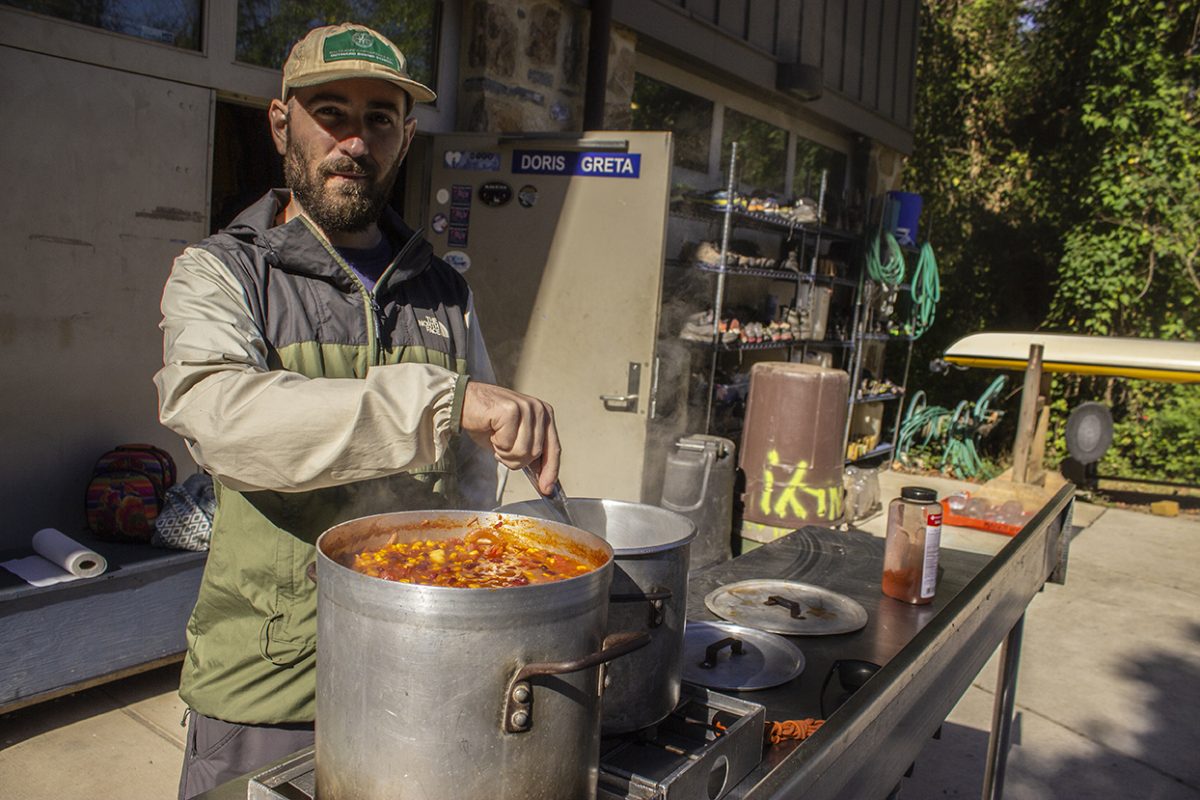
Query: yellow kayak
[[1125, 357]]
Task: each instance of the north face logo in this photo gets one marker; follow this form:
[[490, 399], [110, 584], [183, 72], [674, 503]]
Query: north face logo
[[435, 326]]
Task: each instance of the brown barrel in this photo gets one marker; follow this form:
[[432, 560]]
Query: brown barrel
[[792, 444]]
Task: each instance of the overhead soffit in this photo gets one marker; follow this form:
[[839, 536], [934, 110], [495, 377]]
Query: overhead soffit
[[673, 35]]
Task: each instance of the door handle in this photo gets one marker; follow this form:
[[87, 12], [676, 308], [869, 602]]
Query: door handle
[[627, 402], [624, 400]]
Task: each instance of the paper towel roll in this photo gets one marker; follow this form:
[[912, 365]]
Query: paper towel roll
[[58, 548]]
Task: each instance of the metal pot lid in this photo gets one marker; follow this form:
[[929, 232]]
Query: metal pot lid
[[721, 655], [788, 607]]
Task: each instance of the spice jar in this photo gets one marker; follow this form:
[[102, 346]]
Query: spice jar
[[914, 534]]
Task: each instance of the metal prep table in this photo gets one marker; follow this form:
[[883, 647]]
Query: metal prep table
[[929, 655]]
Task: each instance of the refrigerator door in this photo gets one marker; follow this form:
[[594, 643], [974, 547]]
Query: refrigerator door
[[562, 239]]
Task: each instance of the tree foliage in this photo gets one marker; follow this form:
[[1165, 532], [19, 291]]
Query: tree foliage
[[1058, 152]]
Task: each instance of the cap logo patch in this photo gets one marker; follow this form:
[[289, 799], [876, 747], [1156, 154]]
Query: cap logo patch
[[359, 46]]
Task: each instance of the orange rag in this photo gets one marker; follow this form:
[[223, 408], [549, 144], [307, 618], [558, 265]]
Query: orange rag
[[801, 729]]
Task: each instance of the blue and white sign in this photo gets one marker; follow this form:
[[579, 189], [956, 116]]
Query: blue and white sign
[[590, 165]]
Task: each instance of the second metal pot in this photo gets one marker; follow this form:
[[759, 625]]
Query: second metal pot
[[649, 593]]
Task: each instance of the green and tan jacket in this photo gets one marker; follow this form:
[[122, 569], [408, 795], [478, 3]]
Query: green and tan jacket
[[311, 400]]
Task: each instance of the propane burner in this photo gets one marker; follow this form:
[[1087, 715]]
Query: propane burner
[[702, 749]]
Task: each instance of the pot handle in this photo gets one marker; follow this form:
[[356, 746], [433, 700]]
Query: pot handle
[[656, 599], [311, 571], [518, 704]]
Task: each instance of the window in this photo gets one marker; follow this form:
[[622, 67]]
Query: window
[[268, 28], [659, 106], [811, 160], [762, 152], [173, 22]]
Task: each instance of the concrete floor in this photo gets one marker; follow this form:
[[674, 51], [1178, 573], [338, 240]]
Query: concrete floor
[[1108, 693]]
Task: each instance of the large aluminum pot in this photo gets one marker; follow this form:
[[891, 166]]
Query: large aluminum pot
[[649, 593], [433, 692]]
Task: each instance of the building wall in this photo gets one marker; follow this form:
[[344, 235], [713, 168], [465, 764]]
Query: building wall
[[865, 51], [103, 186], [108, 179]]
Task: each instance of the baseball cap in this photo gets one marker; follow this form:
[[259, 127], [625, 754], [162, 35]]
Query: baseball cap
[[338, 52]]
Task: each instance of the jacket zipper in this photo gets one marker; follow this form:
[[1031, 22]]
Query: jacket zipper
[[371, 308], [376, 311]]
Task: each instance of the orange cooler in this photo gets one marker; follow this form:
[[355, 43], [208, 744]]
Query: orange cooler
[[791, 449]]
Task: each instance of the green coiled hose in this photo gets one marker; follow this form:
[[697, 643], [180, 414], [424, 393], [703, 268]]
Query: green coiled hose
[[956, 431], [926, 291], [890, 272]]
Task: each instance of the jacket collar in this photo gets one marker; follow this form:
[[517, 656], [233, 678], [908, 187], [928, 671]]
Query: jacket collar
[[298, 246]]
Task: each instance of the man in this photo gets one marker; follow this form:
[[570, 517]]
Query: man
[[321, 363]]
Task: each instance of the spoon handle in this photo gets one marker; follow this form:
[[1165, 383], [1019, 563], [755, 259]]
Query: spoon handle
[[557, 499]]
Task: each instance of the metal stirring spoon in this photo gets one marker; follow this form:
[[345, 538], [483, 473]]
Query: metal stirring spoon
[[557, 499]]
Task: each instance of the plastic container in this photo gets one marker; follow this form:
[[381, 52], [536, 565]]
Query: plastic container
[[791, 450], [813, 305], [999, 506], [903, 214], [914, 534]]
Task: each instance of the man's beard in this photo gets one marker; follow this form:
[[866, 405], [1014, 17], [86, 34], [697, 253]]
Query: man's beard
[[346, 207]]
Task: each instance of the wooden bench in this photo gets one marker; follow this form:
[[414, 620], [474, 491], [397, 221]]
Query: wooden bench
[[70, 636]]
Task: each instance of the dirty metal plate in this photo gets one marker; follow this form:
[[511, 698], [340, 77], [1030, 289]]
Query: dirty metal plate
[[787, 607], [722, 655]]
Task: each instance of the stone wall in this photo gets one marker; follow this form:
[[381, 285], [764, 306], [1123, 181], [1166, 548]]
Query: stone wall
[[622, 58], [524, 64]]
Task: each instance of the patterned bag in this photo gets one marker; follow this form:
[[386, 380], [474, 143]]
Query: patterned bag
[[186, 521], [127, 492]]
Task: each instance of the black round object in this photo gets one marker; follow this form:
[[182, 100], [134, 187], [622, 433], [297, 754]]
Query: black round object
[[919, 493], [1089, 432], [495, 193]]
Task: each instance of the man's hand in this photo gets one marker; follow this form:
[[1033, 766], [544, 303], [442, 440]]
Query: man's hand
[[518, 428]]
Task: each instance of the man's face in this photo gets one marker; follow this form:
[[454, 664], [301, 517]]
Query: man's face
[[342, 144]]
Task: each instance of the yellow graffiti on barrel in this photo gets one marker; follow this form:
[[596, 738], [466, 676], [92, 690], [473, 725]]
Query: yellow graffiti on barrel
[[790, 502]]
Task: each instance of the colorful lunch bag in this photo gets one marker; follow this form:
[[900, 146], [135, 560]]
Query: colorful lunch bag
[[127, 492]]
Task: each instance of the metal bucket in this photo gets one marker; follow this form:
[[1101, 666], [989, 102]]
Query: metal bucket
[[431, 692], [649, 593], [698, 483]]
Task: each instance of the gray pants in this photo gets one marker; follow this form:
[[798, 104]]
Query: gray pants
[[218, 751]]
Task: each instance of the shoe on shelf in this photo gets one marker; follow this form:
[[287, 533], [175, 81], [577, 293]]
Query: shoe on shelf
[[752, 332], [730, 330], [708, 253], [803, 211], [698, 327]]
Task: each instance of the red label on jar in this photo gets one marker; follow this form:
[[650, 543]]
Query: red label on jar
[[934, 518]]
